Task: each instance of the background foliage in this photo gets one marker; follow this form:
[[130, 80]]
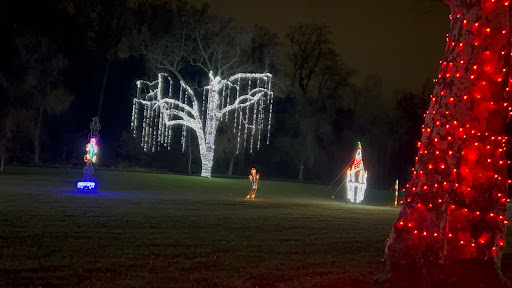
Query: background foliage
[[55, 75]]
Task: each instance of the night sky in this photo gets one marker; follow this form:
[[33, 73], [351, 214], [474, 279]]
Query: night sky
[[402, 41]]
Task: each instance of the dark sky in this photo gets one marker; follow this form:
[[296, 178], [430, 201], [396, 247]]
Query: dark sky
[[400, 40]]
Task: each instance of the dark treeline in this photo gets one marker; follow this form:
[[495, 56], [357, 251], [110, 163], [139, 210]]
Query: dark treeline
[[65, 61]]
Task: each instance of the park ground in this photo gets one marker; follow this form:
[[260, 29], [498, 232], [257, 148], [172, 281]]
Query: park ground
[[164, 230]]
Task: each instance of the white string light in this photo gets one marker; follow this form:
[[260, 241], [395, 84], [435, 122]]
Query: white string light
[[144, 125], [270, 101], [237, 111], [246, 119], [254, 125]]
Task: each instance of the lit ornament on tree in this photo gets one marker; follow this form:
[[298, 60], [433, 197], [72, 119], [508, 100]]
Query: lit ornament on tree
[[451, 227], [244, 99], [356, 178]]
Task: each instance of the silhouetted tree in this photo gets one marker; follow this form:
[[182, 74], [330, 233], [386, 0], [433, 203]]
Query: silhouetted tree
[[103, 26], [43, 68], [318, 83]]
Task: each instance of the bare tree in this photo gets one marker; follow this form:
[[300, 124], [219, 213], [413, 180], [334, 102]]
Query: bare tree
[[204, 50], [44, 66], [317, 83], [227, 140], [104, 24], [200, 42]]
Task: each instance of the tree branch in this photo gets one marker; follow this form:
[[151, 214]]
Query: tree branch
[[307, 150], [247, 75], [181, 105], [225, 67], [179, 113], [193, 126], [192, 96], [203, 52], [250, 99]]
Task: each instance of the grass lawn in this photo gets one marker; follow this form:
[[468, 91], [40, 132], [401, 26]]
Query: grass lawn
[[162, 230]]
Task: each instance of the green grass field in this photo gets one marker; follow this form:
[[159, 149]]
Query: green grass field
[[162, 230]]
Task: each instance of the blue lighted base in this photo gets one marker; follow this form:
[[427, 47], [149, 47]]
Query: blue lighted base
[[86, 185]]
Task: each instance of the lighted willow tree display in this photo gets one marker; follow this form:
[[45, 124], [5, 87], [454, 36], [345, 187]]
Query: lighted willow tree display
[[451, 227], [211, 67], [244, 99]]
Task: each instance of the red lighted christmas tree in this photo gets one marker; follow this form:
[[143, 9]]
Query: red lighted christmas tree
[[451, 227]]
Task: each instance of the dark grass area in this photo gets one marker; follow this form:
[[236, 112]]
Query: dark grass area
[[162, 230]]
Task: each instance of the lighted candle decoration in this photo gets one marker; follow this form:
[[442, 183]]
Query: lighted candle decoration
[[356, 178]]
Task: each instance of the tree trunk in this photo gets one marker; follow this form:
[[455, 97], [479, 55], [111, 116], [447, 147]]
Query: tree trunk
[[37, 134], [206, 161], [189, 155], [212, 122], [451, 227], [2, 165], [301, 164], [189, 163], [231, 164], [102, 93]]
